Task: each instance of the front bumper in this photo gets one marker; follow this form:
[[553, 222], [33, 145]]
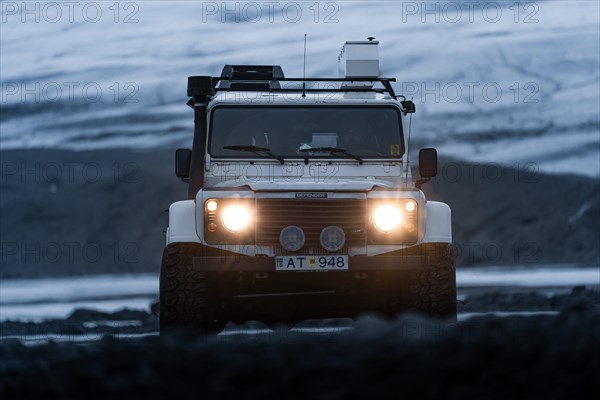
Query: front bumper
[[250, 288]]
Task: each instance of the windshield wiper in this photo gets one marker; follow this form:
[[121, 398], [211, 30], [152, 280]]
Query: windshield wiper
[[334, 150], [259, 151]]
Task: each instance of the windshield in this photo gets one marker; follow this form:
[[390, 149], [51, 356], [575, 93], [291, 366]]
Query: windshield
[[294, 131]]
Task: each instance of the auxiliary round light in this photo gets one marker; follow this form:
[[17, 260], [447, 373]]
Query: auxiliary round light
[[410, 206], [387, 218], [211, 205], [236, 218], [292, 238], [333, 238]]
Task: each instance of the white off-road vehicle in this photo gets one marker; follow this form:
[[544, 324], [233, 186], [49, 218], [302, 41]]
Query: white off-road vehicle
[[301, 202]]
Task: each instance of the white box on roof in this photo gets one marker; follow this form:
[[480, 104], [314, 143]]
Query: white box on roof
[[359, 59]]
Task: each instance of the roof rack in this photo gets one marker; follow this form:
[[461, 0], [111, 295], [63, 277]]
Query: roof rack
[[269, 86], [267, 78]]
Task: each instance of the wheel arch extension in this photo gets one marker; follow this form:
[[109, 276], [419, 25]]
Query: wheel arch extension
[[438, 227], [182, 222]]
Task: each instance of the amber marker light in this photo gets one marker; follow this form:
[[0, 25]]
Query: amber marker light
[[211, 206]]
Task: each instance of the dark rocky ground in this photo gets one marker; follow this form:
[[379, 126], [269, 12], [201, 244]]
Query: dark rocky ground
[[70, 213], [94, 324], [535, 357]]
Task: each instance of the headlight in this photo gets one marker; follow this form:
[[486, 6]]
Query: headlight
[[229, 221], [387, 218], [236, 218], [393, 221]]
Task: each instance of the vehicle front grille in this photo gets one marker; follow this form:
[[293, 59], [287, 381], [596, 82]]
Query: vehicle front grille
[[312, 216]]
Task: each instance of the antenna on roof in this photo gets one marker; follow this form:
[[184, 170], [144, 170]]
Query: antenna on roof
[[304, 69], [408, 151]]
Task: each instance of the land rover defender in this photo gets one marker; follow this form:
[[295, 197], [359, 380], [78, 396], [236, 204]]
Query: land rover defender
[[302, 203]]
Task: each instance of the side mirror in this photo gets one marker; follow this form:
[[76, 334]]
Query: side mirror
[[428, 166], [183, 160], [428, 163], [409, 107]]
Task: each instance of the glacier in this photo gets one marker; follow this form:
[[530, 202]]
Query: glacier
[[514, 83]]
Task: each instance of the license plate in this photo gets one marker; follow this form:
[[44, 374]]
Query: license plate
[[311, 263]]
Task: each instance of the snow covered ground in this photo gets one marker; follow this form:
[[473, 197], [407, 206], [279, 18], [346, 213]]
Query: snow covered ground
[[508, 82], [39, 299]]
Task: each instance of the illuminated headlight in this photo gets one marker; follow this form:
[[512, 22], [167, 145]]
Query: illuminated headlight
[[236, 218], [229, 221], [387, 218], [393, 221]]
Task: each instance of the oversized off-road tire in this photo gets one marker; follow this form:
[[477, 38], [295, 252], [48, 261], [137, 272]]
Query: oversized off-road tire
[[186, 300], [432, 289]]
